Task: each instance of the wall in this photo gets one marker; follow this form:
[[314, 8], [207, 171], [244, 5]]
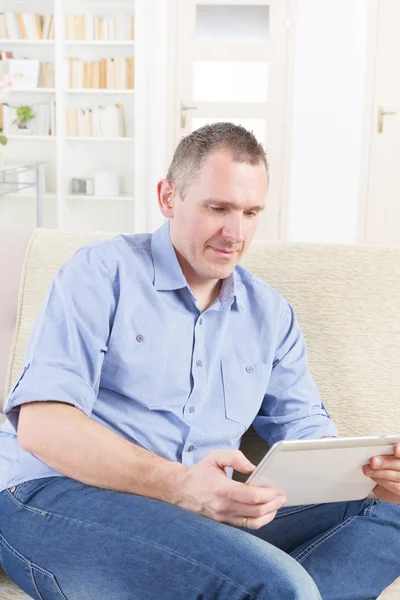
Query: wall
[[329, 71]]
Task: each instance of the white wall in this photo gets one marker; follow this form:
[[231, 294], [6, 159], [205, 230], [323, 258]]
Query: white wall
[[330, 57]]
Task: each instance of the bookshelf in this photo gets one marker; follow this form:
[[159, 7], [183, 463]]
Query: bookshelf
[[98, 43], [13, 42], [98, 91], [70, 156]]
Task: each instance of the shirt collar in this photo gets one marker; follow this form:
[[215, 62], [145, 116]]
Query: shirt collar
[[167, 270], [168, 273]]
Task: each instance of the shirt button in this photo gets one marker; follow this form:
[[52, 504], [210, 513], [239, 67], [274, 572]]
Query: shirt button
[[139, 338], [200, 321], [198, 363], [191, 448], [249, 369], [192, 409], [12, 490]]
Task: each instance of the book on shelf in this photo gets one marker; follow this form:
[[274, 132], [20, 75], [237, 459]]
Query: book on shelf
[[46, 75], [43, 123], [26, 26], [100, 121], [92, 27], [108, 73], [30, 73]]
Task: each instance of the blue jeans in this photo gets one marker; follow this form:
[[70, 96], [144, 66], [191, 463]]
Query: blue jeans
[[62, 539]]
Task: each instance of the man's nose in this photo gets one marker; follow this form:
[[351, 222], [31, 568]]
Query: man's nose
[[233, 228]]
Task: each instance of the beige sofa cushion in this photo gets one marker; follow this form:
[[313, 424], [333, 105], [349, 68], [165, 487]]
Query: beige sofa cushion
[[13, 244], [347, 300]]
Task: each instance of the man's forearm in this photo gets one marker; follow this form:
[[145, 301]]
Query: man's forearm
[[76, 446]]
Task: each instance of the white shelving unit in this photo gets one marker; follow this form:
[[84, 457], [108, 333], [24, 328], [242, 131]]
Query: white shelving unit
[[97, 92], [80, 157]]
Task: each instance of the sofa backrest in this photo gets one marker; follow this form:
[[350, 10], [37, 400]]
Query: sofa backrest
[[347, 299], [13, 244]]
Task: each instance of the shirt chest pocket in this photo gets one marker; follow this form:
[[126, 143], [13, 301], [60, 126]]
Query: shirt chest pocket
[[245, 385], [136, 366]]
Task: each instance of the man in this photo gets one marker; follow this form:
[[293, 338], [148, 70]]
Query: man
[[151, 357]]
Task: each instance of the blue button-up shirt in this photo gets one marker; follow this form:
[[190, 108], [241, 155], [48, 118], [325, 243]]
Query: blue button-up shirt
[[121, 338]]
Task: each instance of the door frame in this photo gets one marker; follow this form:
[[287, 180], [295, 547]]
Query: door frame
[[369, 117], [173, 104]]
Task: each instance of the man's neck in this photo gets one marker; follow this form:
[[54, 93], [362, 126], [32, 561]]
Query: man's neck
[[205, 297]]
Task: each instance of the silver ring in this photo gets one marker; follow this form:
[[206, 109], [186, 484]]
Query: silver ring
[[244, 522]]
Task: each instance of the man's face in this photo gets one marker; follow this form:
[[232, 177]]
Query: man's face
[[215, 223]]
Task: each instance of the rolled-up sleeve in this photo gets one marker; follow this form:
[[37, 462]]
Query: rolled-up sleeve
[[292, 407], [67, 344]]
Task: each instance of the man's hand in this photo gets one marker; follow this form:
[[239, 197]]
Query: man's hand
[[385, 470], [206, 490]]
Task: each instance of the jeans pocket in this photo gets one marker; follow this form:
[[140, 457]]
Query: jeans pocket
[[24, 492], [31, 578], [46, 584]]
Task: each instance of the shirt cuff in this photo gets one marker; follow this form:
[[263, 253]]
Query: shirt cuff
[[37, 384], [315, 432]]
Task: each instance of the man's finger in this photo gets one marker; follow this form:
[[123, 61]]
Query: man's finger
[[250, 494], [258, 510], [385, 462], [387, 494], [384, 474]]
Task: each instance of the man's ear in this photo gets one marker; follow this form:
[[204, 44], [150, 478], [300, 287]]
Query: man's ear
[[166, 197]]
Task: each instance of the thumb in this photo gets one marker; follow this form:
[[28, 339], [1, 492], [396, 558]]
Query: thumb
[[231, 458]]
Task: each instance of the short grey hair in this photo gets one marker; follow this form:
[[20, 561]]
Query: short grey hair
[[193, 150]]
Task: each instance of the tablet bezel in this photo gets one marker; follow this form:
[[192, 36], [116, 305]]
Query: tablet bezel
[[324, 443]]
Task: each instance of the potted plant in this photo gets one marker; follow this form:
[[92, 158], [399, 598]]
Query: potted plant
[[24, 115]]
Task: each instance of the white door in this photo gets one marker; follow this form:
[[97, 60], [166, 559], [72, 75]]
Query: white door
[[231, 63], [382, 215]]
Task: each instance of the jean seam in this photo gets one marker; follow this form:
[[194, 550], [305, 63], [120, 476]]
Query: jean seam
[[20, 504], [307, 551], [34, 582], [292, 512], [150, 543], [369, 509], [31, 566], [34, 567], [21, 485], [17, 555]]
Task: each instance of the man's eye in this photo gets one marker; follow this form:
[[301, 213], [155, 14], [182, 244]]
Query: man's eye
[[217, 208], [250, 214]]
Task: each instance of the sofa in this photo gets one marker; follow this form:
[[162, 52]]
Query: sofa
[[347, 299]]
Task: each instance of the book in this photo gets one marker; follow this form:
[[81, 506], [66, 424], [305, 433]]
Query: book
[[108, 73], [21, 26], [26, 26], [100, 121], [46, 75], [91, 27]]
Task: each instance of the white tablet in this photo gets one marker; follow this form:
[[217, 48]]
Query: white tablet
[[322, 470]]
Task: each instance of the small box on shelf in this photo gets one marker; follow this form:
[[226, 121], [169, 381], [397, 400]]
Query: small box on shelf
[[106, 184], [82, 186]]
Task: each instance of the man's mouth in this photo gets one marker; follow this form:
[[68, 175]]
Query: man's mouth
[[223, 252]]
